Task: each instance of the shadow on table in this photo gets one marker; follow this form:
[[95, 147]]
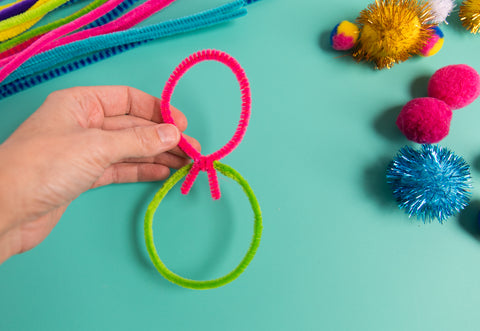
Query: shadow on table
[[468, 219], [384, 124], [419, 87], [375, 182]]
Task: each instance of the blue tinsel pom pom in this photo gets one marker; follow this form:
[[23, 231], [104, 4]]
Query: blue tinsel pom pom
[[431, 183]]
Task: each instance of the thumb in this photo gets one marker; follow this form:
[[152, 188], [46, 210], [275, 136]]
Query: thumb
[[136, 142]]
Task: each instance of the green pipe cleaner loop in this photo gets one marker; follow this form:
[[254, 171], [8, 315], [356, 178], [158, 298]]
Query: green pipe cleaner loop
[[203, 284]]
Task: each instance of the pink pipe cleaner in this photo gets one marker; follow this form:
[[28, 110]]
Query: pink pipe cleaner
[[202, 162], [127, 21], [18, 48], [10, 64]]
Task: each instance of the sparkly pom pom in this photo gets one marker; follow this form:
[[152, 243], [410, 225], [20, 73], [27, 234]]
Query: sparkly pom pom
[[441, 9], [470, 15], [391, 31], [431, 183], [434, 42], [344, 36]]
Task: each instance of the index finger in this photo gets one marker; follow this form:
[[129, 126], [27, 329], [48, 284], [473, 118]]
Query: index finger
[[126, 100]]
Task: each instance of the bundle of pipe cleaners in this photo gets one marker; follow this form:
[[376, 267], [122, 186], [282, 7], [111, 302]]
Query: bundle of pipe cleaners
[[433, 182], [392, 31], [210, 164], [29, 56]]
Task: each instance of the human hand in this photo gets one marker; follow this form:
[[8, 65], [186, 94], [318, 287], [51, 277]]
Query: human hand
[[80, 138]]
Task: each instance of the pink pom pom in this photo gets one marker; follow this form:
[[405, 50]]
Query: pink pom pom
[[457, 85], [425, 120]]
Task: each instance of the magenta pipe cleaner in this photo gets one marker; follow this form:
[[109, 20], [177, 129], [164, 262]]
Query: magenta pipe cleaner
[[202, 162], [124, 22], [43, 42]]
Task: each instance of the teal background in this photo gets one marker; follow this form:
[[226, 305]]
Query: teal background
[[336, 253]]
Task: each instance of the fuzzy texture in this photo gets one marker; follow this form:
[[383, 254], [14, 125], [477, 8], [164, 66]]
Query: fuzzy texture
[[434, 43], [431, 183], [201, 162], [344, 36], [457, 85], [425, 120], [45, 66], [124, 22], [24, 21], [48, 41], [19, 43], [391, 31], [203, 284], [16, 9], [12, 64], [470, 15], [38, 10], [440, 9]]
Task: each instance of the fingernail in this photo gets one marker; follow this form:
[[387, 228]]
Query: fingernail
[[168, 134]]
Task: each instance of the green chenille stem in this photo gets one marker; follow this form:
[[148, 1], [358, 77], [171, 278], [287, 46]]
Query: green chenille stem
[[50, 26], [31, 14], [203, 284]]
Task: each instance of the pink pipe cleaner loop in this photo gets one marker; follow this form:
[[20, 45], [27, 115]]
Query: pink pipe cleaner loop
[[202, 162]]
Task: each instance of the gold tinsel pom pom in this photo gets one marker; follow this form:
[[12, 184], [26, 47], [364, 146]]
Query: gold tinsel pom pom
[[392, 31], [470, 15]]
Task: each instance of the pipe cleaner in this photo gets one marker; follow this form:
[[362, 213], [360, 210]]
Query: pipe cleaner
[[127, 21], [43, 41], [433, 183], [16, 29], [180, 25], [19, 43], [15, 25], [40, 9], [67, 52], [210, 165], [16, 9], [389, 32], [76, 48]]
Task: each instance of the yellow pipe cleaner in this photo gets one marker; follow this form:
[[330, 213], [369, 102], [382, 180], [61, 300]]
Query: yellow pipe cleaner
[[14, 26], [9, 4]]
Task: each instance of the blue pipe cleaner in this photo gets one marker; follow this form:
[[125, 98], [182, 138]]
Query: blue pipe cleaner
[[111, 15], [431, 183], [30, 75], [67, 52]]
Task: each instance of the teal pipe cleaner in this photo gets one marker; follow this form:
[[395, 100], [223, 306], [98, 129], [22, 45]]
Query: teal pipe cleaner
[[26, 77], [67, 52]]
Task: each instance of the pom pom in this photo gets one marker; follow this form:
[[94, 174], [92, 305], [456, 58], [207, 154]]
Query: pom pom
[[470, 15], [434, 43], [425, 120], [431, 183], [391, 31], [344, 36], [440, 9], [458, 85]]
